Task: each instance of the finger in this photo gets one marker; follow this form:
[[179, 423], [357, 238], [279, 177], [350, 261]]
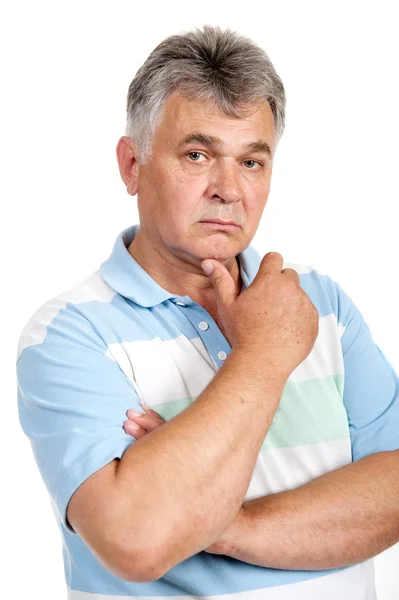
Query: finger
[[271, 262], [147, 422], [152, 412], [222, 281], [292, 273], [136, 433]]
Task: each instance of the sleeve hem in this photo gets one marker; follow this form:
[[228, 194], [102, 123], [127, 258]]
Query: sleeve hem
[[81, 471]]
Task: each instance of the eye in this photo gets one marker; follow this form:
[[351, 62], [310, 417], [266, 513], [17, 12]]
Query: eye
[[254, 162], [196, 154]]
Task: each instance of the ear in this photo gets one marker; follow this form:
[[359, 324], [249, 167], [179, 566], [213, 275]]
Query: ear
[[127, 155]]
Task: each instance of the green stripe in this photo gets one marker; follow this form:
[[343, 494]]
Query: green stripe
[[309, 412]]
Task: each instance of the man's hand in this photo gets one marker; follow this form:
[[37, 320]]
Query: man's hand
[[147, 422]]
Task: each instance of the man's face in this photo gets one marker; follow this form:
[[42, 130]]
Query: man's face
[[185, 183]]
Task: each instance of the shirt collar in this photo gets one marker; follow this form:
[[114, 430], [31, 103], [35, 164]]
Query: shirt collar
[[126, 277]]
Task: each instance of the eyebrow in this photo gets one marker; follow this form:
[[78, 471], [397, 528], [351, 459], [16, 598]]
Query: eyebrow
[[259, 145]]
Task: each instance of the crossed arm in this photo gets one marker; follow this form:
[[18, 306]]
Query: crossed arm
[[350, 514], [340, 518]]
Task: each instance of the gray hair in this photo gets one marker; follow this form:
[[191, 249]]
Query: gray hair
[[222, 66]]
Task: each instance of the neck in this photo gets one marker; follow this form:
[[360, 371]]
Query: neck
[[179, 277]]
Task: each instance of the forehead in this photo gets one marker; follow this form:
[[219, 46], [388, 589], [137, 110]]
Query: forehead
[[182, 116]]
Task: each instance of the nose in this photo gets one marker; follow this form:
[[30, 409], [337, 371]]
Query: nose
[[225, 182]]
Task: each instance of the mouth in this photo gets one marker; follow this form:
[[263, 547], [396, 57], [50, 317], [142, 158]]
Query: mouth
[[219, 224]]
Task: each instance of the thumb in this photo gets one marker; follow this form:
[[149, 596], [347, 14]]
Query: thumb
[[221, 279]]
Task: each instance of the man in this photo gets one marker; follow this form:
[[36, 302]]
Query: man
[[267, 459]]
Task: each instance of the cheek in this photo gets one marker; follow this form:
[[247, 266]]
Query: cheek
[[260, 192], [183, 198], [255, 201], [173, 185]]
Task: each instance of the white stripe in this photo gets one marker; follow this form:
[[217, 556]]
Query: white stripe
[[300, 269], [179, 368], [35, 330], [280, 469], [165, 370]]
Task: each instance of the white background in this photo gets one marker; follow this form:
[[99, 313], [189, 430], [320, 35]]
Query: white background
[[333, 201]]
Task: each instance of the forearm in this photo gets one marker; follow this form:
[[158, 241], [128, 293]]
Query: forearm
[[194, 471], [341, 518]]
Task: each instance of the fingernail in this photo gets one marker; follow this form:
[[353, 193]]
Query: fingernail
[[134, 413], [132, 425], [207, 267]]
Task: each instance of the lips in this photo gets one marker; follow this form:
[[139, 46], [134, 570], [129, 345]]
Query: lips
[[220, 222]]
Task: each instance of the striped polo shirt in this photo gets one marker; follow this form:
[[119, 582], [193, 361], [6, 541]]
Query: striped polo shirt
[[118, 338]]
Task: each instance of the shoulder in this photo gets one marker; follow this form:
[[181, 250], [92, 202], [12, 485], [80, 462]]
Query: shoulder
[[65, 317]]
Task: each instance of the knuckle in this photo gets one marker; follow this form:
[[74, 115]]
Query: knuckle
[[289, 271], [291, 284], [218, 279]]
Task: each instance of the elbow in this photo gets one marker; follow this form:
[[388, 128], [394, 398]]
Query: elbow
[[137, 571], [136, 566], [139, 567]]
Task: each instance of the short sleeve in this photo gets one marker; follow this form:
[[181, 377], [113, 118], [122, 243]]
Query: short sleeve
[[371, 385], [72, 402]]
